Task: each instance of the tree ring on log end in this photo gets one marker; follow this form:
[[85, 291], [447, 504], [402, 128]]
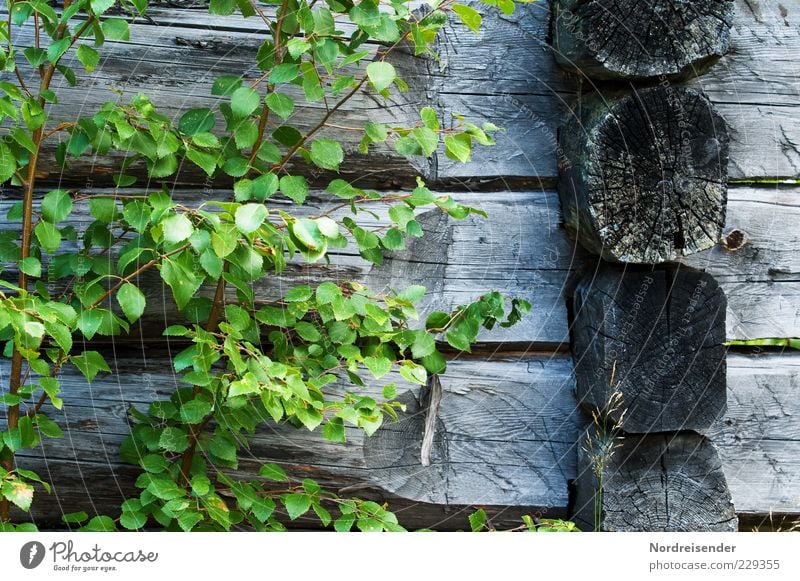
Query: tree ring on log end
[[641, 39], [657, 482], [657, 336], [646, 174]]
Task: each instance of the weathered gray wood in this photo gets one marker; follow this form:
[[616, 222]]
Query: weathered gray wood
[[510, 432], [456, 261], [656, 336], [519, 88], [640, 39], [655, 482], [644, 175], [505, 437], [759, 436], [522, 250]]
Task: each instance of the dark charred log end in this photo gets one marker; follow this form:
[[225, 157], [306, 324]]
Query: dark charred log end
[[657, 337], [649, 173], [662, 40], [657, 482]]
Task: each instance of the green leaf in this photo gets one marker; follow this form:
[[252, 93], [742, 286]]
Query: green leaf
[[177, 228], [90, 363], [201, 485], [458, 147], [296, 504], [195, 411], [273, 472], [206, 161], [222, 7], [381, 75], [103, 209], [56, 206], [284, 73], [164, 488], [298, 294], [308, 233], [48, 427], [196, 121], [222, 448], [423, 345], [48, 236], [100, 524], [225, 85], [307, 331], [100, 6], [327, 154], [295, 188], [183, 282], [250, 217], [281, 105], [458, 340], [427, 139], [469, 16], [88, 57], [429, 118], [477, 520], [132, 301], [244, 101], [344, 523], [378, 366], [8, 163], [413, 372], [74, 517], [173, 440], [333, 430], [18, 492], [116, 29], [133, 520]]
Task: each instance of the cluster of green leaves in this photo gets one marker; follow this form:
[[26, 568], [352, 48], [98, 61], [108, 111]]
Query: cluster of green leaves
[[245, 361], [203, 506], [479, 522], [319, 340]]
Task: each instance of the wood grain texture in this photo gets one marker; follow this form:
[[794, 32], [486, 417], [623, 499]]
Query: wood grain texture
[[641, 39], [644, 175], [522, 250], [656, 337], [519, 87], [655, 482], [758, 437], [505, 437]]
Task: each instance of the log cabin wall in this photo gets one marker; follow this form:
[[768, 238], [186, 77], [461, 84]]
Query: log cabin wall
[[509, 427]]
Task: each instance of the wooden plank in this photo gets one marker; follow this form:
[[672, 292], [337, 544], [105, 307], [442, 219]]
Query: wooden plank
[[759, 436], [519, 88], [522, 250], [506, 437], [456, 261], [521, 456]]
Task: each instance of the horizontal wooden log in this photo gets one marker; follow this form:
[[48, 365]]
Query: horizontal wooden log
[[520, 88], [759, 436], [509, 428], [521, 457], [522, 250], [644, 174], [655, 336], [641, 39], [654, 482]]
